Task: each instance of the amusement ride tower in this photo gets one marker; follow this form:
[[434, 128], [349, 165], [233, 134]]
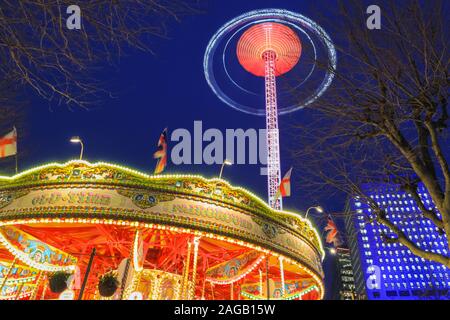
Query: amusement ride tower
[[269, 46], [269, 50]]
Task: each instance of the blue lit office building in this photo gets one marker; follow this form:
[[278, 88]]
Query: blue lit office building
[[385, 270]]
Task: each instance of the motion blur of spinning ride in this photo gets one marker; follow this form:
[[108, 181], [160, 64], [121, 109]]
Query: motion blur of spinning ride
[[101, 231], [269, 46]]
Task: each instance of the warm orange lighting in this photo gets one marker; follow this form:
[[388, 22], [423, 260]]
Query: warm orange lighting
[[264, 37]]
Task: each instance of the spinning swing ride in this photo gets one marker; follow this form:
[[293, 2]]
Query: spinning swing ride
[[269, 46]]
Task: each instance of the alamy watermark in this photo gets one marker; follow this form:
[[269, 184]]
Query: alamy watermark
[[213, 146], [373, 281], [373, 22], [73, 22]]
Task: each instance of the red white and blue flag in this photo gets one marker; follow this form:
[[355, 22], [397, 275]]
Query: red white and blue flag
[[161, 154], [284, 190], [332, 233], [8, 144]]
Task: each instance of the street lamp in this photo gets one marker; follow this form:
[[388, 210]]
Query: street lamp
[[318, 208], [333, 251], [226, 162], [77, 139]]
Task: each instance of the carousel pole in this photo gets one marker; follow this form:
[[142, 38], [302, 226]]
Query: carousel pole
[[261, 284], [186, 272], [212, 289], [8, 273], [194, 266], [239, 290], [156, 285], [19, 291], [125, 273], [232, 291], [44, 291], [124, 279], [38, 283], [205, 268], [282, 276], [183, 273], [183, 280], [88, 270], [203, 289], [267, 278], [138, 269]]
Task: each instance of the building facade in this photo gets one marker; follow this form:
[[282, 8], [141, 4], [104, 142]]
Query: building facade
[[347, 289], [385, 270]]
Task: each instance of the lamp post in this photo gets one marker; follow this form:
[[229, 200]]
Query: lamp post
[[77, 139], [318, 208], [333, 251], [226, 162]]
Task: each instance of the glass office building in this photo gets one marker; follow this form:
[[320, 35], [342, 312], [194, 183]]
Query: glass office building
[[388, 270], [346, 280]]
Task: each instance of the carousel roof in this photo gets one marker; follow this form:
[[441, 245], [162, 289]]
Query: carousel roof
[[68, 207], [103, 173], [109, 191]]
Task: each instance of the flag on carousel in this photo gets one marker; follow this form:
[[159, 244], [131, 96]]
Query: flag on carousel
[[8, 144], [161, 154], [332, 233], [284, 190]]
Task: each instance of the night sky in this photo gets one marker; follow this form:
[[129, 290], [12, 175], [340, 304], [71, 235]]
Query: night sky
[[167, 89]]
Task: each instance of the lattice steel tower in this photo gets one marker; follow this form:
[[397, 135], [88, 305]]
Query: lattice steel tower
[[269, 50]]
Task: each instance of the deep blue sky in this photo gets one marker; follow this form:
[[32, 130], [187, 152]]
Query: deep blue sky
[[155, 91], [152, 92]]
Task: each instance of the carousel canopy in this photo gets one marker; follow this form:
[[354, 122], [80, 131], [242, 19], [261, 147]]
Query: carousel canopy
[[79, 192]]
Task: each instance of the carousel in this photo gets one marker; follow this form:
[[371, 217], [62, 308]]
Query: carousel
[[105, 232]]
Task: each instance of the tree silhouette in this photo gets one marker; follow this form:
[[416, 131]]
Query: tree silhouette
[[386, 116]]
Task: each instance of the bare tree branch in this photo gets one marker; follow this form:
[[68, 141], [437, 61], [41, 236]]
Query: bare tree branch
[[385, 118], [38, 50]]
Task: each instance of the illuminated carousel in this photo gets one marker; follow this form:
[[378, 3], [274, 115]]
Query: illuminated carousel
[[100, 231]]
